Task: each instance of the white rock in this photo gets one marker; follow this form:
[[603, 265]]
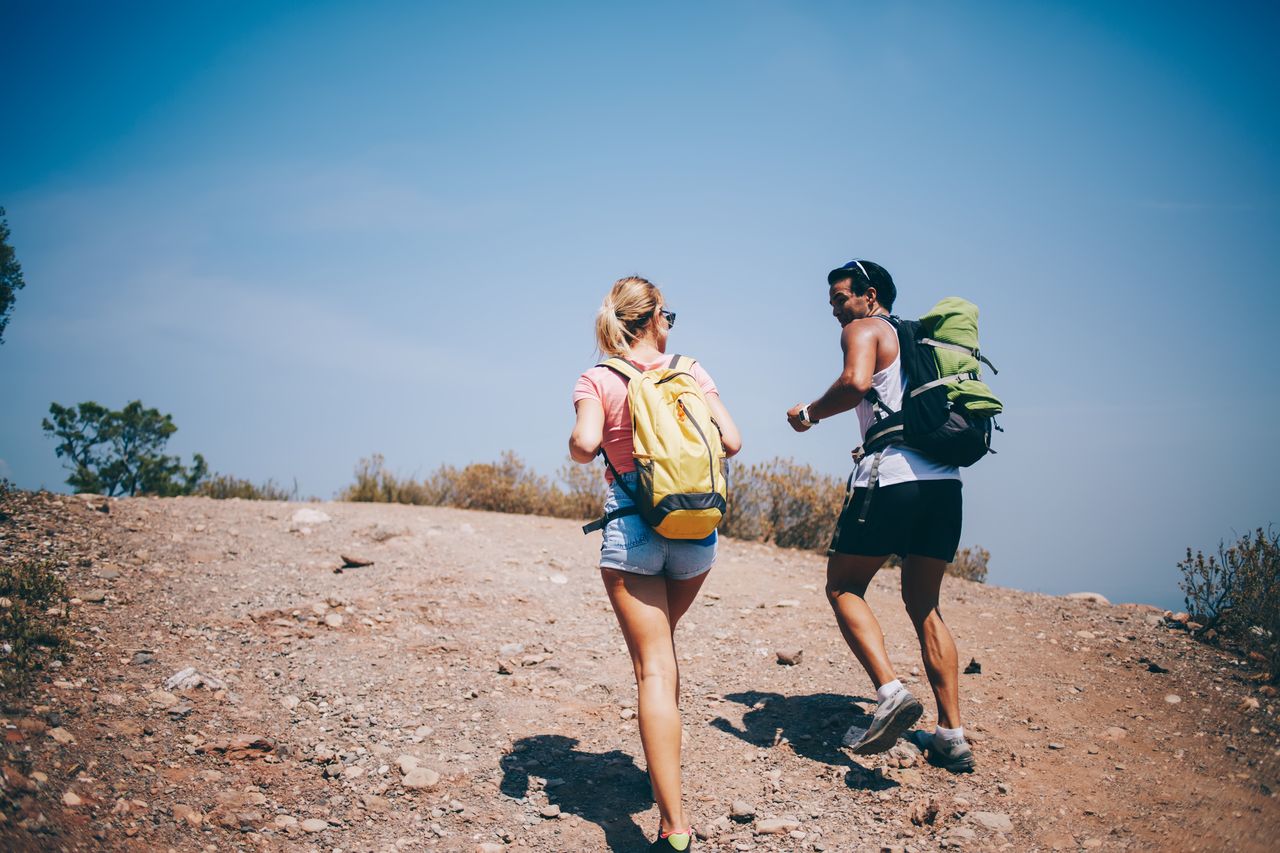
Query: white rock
[[994, 821], [1095, 597], [306, 515], [314, 824], [421, 778], [191, 678], [777, 825]]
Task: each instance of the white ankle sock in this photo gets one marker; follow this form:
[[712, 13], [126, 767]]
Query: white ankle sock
[[884, 691], [952, 735]]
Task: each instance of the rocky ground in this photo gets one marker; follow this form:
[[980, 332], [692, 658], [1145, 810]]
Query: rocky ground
[[230, 688]]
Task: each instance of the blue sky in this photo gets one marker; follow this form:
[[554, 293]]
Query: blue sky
[[313, 232]]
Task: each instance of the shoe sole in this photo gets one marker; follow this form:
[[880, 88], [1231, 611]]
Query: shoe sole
[[895, 728]]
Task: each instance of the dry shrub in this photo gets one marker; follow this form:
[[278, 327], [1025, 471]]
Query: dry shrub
[[970, 564], [582, 492], [224, 486], [374, 483], [778, 501], [30, 635], [783, 502], [1237, 593], [503, 486], [507, 485]]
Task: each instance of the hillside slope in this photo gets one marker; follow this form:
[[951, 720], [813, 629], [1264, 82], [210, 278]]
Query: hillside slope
[[470, 688]]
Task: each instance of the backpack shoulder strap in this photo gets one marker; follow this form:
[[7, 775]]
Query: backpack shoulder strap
[[621, 366], [682, 363], [960, 349]]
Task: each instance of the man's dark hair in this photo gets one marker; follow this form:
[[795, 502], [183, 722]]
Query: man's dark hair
[[865, 274]]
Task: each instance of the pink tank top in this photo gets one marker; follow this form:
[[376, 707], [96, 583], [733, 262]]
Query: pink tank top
[[610, 388]]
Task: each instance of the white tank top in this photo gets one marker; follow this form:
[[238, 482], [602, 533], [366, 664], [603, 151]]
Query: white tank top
[[899, 464]]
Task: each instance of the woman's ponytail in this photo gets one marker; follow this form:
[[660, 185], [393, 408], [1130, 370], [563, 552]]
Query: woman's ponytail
[[624, 313], [611, 335]]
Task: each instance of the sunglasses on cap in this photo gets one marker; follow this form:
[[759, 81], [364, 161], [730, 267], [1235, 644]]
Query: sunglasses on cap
[[836, 274]]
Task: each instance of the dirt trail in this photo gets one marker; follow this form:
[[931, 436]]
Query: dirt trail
[[469, 690]]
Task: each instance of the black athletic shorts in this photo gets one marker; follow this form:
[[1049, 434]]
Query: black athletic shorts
[[918, 517]]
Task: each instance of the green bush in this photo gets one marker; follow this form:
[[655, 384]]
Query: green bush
[[1237, 593], [30, 635], [224, 486]]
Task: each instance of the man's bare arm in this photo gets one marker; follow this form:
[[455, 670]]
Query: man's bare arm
[[860, 345]]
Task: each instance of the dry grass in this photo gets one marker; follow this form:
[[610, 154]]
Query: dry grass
[[224, 486], [507, 485], [32, 618]]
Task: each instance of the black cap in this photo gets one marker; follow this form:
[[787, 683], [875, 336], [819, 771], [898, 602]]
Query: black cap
[[849, 270]]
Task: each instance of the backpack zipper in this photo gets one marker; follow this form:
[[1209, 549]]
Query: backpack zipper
[[711, 460]]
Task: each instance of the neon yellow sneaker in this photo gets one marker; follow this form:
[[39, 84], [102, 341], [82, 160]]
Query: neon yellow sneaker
[[679, 841]]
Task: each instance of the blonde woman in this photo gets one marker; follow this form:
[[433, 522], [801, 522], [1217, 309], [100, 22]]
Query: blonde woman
[[650, 580]]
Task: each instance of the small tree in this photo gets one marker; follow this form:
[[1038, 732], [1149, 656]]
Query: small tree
[[120, 453], [10, 275]]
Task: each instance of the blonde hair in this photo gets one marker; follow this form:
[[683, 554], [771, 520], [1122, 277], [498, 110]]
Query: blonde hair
[[624, 313]]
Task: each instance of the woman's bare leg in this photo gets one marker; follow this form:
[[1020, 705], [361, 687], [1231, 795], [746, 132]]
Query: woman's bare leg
[[680, 596], [643, 605]]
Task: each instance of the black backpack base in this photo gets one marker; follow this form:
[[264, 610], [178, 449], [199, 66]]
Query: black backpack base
[[961, 440]]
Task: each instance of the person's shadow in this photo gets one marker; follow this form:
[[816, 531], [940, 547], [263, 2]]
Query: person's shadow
[[813, 724], [605, 788]]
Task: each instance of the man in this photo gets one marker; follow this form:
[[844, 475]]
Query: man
[[913, 510]]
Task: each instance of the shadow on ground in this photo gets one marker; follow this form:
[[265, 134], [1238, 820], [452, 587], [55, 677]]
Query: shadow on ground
[[813, 724], [605, 788]]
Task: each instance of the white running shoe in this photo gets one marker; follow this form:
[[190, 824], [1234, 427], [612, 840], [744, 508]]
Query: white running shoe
[[952, 755], [893, 717]]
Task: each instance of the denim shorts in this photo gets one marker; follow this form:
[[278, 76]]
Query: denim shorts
[[631, 545]]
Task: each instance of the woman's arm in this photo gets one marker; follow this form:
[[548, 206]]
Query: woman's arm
[[729, 435], [588, 431]]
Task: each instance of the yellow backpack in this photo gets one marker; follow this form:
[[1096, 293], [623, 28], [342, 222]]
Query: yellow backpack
[[681, 490]]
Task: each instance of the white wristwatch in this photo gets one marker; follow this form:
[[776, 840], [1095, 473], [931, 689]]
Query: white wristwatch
[[805, 419]]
